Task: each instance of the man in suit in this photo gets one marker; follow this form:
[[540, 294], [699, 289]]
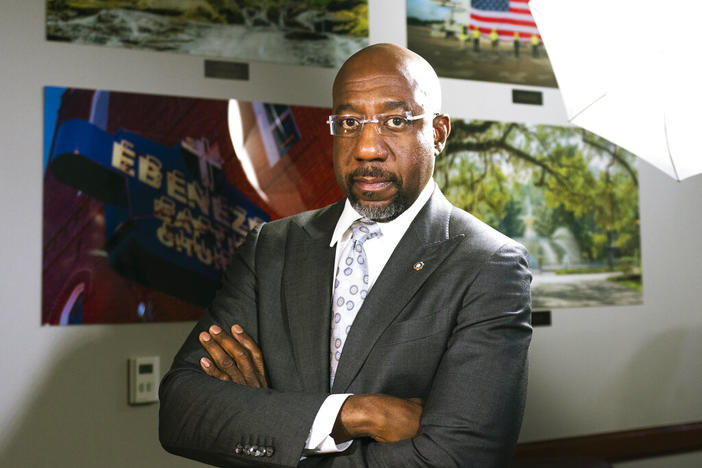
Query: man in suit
[[424, 365]]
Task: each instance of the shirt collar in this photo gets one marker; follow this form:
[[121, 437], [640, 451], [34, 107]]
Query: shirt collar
[[399, 224]]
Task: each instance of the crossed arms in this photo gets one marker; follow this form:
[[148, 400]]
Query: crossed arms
[[472, 404], [383, 418]]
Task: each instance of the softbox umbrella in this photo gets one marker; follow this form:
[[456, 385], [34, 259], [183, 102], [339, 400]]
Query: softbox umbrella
[[629, 71]]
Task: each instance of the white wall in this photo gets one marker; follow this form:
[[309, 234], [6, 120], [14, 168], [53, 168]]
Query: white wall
[[64, 388]]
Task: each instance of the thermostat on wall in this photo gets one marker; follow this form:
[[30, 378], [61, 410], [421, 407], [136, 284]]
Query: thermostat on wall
[[144, 374]]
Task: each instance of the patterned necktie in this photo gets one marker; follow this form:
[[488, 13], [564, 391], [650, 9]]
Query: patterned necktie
[[350, 287]]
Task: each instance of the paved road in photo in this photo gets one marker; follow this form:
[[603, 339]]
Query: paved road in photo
[[550, 290]]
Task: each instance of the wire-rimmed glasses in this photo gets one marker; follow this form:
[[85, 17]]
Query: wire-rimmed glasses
[[386, 124]]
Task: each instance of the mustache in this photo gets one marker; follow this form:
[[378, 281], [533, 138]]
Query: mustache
[[372, 171]]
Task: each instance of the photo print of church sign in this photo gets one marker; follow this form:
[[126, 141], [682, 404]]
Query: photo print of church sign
[[146, 197]]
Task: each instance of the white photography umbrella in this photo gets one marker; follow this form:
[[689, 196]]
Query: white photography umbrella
[[629, 70]]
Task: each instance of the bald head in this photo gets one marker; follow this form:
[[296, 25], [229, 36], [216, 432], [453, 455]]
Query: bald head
[[393, 63]]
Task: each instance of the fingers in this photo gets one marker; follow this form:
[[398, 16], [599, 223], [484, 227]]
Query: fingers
[[212, 370], [254, 352], [225, 365], [239, 360]]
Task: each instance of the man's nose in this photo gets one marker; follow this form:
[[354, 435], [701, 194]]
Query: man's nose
[[371, 144]]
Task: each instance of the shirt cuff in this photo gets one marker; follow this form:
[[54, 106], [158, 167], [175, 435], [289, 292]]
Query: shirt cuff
[[320, 440]]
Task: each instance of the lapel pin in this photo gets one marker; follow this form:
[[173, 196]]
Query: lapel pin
[[418, 266]]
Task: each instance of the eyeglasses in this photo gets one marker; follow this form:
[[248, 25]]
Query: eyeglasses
[[386, 124]]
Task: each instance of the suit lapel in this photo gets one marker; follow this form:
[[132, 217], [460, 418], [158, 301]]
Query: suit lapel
[[307, 295], [427, 241]]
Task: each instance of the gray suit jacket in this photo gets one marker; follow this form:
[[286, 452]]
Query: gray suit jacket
[[454, 332]]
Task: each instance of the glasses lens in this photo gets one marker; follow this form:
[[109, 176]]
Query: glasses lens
[[342, 125], [345, 126], [395, 124]]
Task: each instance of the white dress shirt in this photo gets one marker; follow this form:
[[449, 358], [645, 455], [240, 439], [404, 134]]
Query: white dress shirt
[[378, 252]]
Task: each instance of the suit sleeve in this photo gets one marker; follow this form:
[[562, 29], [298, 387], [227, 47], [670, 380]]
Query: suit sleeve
[[224, 423], [473, 412]]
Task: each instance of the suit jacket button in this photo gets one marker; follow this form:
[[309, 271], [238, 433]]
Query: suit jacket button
[[269, 451], [247, 449], [238, 449]]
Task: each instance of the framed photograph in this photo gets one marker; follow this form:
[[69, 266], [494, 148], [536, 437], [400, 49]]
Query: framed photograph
[[484, 40], [301, 32], [568, 195], [147, 197]]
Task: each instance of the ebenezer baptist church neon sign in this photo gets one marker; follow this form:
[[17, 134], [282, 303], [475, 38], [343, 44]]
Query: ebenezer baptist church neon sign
[[172, 220]]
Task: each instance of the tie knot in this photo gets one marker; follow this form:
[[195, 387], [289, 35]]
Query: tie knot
[[364, 229]]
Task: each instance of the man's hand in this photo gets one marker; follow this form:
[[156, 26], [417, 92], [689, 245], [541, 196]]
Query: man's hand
[[384, 418], [236, 357]]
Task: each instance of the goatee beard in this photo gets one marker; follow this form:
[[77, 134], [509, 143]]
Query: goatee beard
[[395, 208]]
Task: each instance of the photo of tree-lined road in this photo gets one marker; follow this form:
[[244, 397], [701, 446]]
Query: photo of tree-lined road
[[484, 40], [568, 195]]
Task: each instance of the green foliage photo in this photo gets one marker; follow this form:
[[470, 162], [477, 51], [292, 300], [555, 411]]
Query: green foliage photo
[[540, 182]]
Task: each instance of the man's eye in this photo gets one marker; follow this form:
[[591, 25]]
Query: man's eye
[[396, 122], [349, 124]]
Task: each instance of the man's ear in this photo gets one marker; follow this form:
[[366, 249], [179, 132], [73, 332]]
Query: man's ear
[[442, 128]]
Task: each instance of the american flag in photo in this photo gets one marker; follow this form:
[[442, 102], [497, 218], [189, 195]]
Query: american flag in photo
[[506, 16]]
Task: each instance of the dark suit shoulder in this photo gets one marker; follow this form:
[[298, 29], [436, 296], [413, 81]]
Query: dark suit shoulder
[[314, 221], [479, 236]]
